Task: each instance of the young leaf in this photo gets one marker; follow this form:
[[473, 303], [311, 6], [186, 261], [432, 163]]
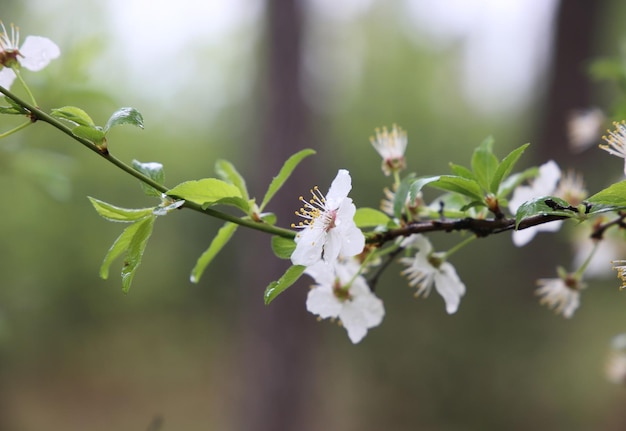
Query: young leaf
[[418, 185], [462, 171], [135, 250], [614, 195], [399, 200], [205, 192], [73, 115], [235, 201], [221, 239], [484, 164], [120, 245], [547, 205], [370, 217], [124, 116], [278, 181], [459, 185], [154, 171], [92, 134], [13, 108], [510, 183], [113, 213], [505, 167], [269, 218], [228, 173], [282, 247], [277, 287]]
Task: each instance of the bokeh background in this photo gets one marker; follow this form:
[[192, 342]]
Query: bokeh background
[[253, 82]]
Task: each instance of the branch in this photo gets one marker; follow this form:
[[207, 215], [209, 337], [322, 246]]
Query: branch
[[480, 227], [35, 114]]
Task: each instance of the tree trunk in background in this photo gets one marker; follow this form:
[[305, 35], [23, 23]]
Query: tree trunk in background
[[275, 350], [569, 85], [569, 88]]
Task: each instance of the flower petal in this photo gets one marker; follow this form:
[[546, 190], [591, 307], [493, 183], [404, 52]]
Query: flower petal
[[524, 236], [364, 311], [309, 246], [339, 189], [7, 76], [322, 301], [449, 286], [37, 52]]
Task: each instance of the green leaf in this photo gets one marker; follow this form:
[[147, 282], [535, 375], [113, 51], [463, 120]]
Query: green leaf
[[221, 239], [460, 185], [90, 133], [484, 164], [269, 218], [226, 171], [510, 183], [546, 205], [277, 287], [284, 174], [73, 115], [114, 213], [594, 209], [419, 183], [614, 195], [505, 167], [283, 247], [135, 250], [13, 108], [240, 203], [461, 171], [370, 217], [399, 200], [120, 246], [154, 171], [205, 192], [124, 116]]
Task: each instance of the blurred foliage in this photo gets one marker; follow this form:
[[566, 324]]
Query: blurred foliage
[[75, 353]]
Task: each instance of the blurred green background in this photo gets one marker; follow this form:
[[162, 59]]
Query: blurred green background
[[254, 82]]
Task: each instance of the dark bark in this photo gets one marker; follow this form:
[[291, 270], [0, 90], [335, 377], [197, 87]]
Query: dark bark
[[275, 350], [569, 85]]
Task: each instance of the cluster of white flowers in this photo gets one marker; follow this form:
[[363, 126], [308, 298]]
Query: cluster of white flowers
[[327, 241], [34, 54]]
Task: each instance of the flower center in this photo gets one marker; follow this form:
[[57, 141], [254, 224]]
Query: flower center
[[342, 293], [9, 45], [435, 260], [315, 209]]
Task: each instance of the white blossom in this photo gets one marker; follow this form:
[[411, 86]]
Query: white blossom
[[340, 293], [391, 147], [616, 141], [34, 54], [329, 228], [562, 295], [583, 128], [427, 268], [620, 267], [544, 185], [616, 362]]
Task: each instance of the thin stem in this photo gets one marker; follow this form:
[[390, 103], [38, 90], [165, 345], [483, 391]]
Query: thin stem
[[37, 114], [580, 271], [16, 129], [459, 246], [19, 77]]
